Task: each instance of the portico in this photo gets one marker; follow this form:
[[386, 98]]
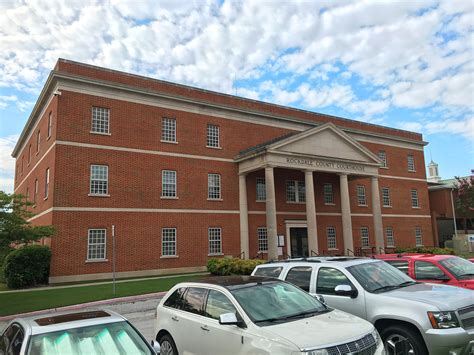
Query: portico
[[321, 149]]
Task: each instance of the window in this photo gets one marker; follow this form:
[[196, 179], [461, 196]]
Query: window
[[386, 197], [36, 191], [213, 136], [12, 340], [22, 163], [168, 242], [29, 154], [401, 265], [361, 197], [328, 279], [176, 299], [96, 244], [46, 184], [418, 237], [364, 236], [100, 120], [215, 241], [194, 300], [328, 194], [213, 186], [38, 142], [295, 191], [50, 124], [273, 271], [168, 183], [262, 239], [168, 129], [300, 276], [427, 271], [389, 237], [331, 235], [411, 163], [217, 304], [414, 199], [261, 192], [99, 180], [27, 196], [383, 158]]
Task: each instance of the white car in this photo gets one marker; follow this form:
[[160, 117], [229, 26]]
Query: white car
[[255, 315]]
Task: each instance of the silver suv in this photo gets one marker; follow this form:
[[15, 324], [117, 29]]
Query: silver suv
[[411, 317]]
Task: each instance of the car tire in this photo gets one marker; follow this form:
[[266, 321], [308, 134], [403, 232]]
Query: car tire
[[168, 347], [394, 333]]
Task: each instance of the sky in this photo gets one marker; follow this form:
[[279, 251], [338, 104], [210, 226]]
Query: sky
[[403, 64]]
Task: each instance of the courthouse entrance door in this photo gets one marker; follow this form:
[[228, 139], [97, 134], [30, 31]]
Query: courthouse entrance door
[[299, 242]]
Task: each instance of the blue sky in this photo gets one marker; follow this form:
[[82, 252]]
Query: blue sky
[[403, 64]]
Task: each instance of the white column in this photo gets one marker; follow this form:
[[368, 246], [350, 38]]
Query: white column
[[346, 214], [311, 213], [244, 216], [271, 214], [377, 212]]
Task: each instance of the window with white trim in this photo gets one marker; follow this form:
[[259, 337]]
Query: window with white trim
[[295, 191], [46, 184], [50, 124], [35, 196], [213, 136], [261, 189], [328, 194], [27, 196], [213, 186], [215, 241], [168, 183], [389, 237], [418, 237], [168, 241], [262, 239], [38, 141], [364, 236], [415, 203], [99, 180], [386, 201], [29, 154], [100, 120], [22, 163], [331, 237], [383, 158], [168, 129], [361, 197], [96, 244], [411, 162]]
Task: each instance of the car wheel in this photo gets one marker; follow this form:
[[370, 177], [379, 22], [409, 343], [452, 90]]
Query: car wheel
[[395, 334], [168, 347]]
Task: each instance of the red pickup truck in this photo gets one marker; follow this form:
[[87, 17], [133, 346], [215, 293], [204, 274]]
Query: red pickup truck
[[443, 269]]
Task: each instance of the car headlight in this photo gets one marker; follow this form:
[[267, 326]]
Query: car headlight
[[316, 352], [376, 336], [443, 320]]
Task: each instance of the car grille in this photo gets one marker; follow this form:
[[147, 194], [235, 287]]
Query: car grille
[[466, 316], [363, 346]]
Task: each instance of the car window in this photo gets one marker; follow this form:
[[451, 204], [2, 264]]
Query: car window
[[273, 271], [217, 304], [300, 276], [15, 346], [176, 299], [328, 279], [425, 270], [194, 300], [401, 265], [7, 338]]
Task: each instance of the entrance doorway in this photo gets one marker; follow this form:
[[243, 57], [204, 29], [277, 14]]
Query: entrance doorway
[[299, 242]]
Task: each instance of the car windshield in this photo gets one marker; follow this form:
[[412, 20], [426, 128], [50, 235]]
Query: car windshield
[[379, 276], [459, 267], [270, 302], [113, 338]]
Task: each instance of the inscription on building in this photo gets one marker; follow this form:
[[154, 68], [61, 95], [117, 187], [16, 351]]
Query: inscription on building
[[325, 164]]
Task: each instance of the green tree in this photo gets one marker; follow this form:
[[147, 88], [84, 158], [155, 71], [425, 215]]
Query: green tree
[[14, 225], [465, 199]]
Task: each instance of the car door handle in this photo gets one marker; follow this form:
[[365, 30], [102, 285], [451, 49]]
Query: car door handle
[[204, 327], [175, 318]]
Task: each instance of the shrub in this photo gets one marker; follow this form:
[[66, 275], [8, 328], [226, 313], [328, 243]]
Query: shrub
[[426, 250], [27, 266], [232, 266], [3, 254]]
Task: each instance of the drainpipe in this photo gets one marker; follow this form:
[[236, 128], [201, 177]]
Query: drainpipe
[[454, 214]]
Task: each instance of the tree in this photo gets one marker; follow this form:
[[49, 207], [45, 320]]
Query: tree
[[465, 199], [14, 225]]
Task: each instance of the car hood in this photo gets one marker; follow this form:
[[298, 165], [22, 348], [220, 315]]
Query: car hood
[[446, 298], [322, 330]]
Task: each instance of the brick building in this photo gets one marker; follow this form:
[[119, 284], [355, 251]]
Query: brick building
[[184, 174]]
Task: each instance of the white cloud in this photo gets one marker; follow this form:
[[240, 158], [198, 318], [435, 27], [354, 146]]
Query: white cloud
[[7, 163], [463, 127]]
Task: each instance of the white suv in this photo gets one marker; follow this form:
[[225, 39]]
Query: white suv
[[254, 315]]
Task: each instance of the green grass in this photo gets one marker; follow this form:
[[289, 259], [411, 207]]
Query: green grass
[[20, 302]]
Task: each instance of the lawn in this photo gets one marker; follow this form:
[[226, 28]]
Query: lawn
[[20, 302]]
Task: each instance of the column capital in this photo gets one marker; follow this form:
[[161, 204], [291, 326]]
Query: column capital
[[374, 177], [343, 174], [308, 171], [243, 174]]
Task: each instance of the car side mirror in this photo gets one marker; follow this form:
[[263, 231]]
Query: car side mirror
[[230, 319], [156, 346], [345, 290], [320, 298]]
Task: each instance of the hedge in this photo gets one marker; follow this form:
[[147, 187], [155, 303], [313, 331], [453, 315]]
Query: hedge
[[232, 266], [3, 254], [426, 250], [27, 266]]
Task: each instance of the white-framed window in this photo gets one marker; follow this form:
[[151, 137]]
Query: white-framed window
[[168, 129], [411, 162], [389, 237], [215, 240], [168, 241], [295, 191], [262, 239], [361, 197], [168, 183], [96, 242], [328, 194], [100, 120], [38, 141], [27, 196], [22, 163], [213, 136], [50, 124], [331, 237], [35, 196], [386, 201], [364, 236], [99, 180], [414, 199], [261, 189], [46, 184], [29, 154], [383, 158], [213, 186], [418, 237]]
